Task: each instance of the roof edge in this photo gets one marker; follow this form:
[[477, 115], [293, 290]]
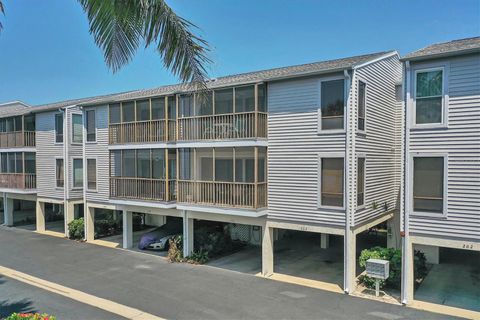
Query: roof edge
[[441, 55], [385, 56]]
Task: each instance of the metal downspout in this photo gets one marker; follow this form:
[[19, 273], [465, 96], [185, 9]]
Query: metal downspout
[[347, 187]]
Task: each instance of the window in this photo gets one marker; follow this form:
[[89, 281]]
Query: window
[[91, 128], [29, 160], [116, 163], [4, 162], [245, 99], [224, 164], [11, 162], [224, 101], [158, 108], [262, 98], [186, 106], [203, 104], [158, 164], [10, 125], [172, 107], [429, 97], [128, 111], [143, 163], [29, 123], [361, 105], [332, 104], [428, 184], [18, 162], [18, 123], [59, 172], [114, 113], [58, 127], [361, 182], [91, 174], [143, 110], [77, 173], [77, 135], [128, 163], [331, 182]]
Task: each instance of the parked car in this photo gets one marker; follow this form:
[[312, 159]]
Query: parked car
[[158, 239]]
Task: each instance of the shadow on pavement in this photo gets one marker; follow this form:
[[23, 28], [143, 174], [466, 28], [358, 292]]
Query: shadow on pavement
[[8, 307]]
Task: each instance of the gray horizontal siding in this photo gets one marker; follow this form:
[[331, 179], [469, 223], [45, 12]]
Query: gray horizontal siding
[[75, 151], [382, 134], [461, 141], [47, 151], [99, 151], [293, 148]]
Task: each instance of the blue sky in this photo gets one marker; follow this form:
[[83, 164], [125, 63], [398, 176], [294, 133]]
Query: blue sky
[[47, 53]]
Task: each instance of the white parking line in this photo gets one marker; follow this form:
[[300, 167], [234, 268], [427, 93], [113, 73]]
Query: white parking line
[[104, 304]]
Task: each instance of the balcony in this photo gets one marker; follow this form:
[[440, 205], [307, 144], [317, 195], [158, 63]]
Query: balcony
[[142, 132], [223, 194], [245, 125], [17, 139], [223, 177], [224, 113], [143, 121], [142, 189], [18, 180]]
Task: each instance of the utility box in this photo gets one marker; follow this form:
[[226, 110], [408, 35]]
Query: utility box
[[378, 269]]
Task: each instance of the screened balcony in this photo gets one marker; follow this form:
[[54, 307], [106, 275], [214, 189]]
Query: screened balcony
[[143, 174], [224, 177], [142, 121], [228, 113], [17, 170], [17, 132]]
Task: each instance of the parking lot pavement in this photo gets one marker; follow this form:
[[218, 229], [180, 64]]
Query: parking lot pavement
[[180, 291], [16, 296]]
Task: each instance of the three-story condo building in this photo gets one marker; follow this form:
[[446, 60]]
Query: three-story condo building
[[332, 148], [441, 197], [314, 144]]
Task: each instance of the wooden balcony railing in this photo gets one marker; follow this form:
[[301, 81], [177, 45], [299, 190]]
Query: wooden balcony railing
[[227, 126], [18, 180], [142, 131], [142, 189], [223, 194], [17, 139]]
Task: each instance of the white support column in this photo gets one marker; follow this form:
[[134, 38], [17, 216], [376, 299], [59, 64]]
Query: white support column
[[267, 251], [408, 273], [68, 214], [324, 241], [350, 261], [7, 210], [187, 234], [89, 223], [127, 229], [40, 216]]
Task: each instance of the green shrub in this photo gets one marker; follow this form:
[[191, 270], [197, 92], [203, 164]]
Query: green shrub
[[76, 229], [395, 258]]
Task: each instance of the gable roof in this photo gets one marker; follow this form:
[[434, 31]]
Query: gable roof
[[251, 77], [455, 47], [238, 79], [13, 107]]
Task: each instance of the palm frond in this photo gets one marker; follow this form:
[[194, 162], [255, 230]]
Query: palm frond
[[116, 28], [119, 26], [2, 10]]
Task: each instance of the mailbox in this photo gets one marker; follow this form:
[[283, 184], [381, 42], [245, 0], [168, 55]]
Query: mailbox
[[378, 269]]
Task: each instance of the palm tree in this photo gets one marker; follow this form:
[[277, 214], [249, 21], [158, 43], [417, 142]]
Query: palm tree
[[119, 27]]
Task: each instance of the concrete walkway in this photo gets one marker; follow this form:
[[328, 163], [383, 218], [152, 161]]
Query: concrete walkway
[[179, 291]]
